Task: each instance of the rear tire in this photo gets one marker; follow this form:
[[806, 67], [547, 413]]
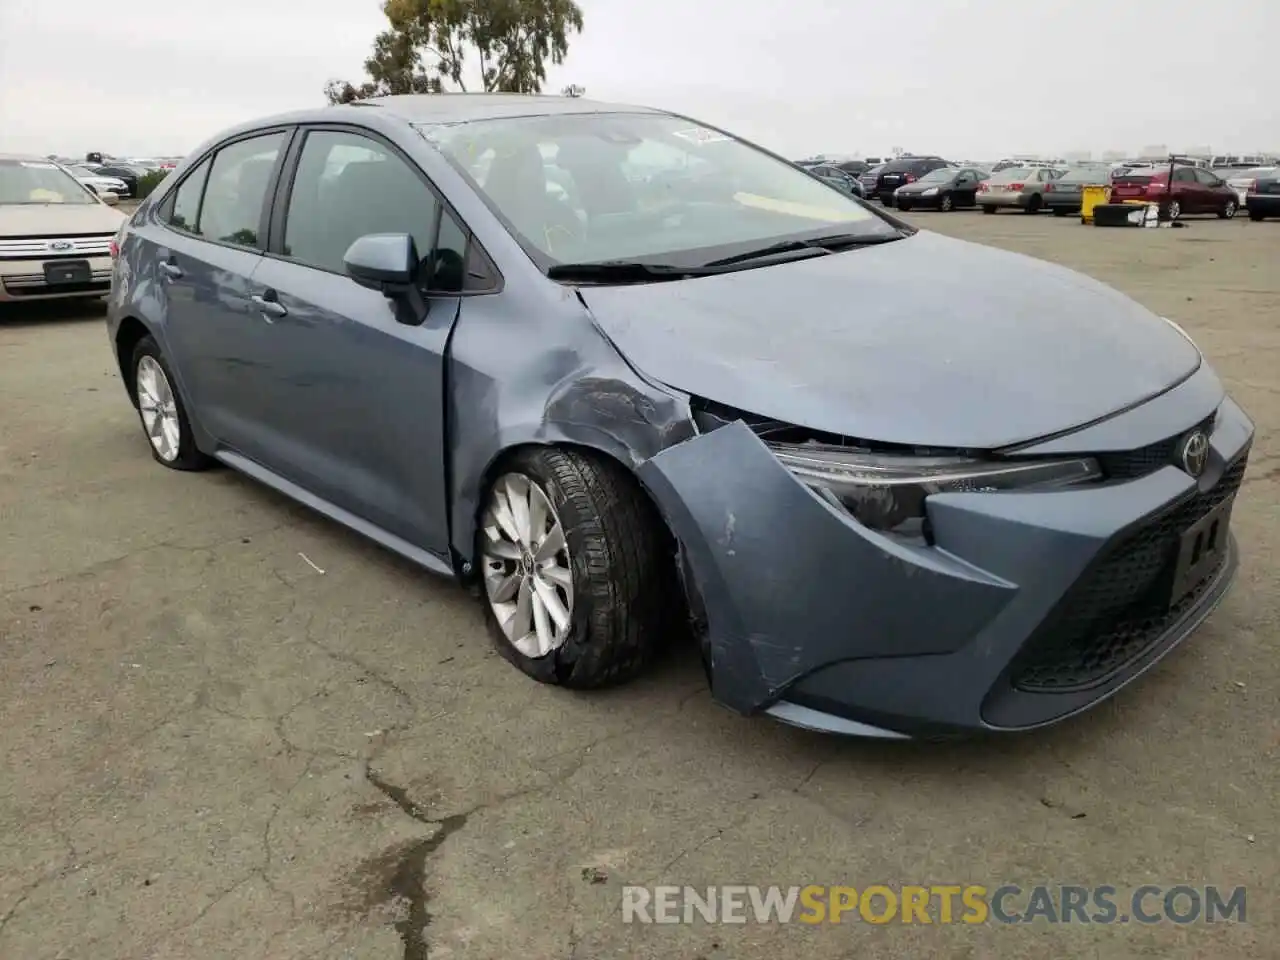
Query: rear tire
[[1228, 211], [623, 597], [1175, 210], [161, 411], [988, 208], [1033, 205]]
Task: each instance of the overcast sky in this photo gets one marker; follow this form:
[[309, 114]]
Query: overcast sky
[[971, 80]]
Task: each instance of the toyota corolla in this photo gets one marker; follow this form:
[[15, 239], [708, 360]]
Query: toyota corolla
[[637, 378]]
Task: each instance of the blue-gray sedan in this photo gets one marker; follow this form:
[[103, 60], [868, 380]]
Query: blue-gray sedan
[[640, 379]]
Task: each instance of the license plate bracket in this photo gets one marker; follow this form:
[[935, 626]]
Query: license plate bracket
[[1200, 550], [59, 272]]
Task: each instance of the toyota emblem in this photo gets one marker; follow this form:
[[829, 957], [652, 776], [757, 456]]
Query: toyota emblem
[[1195, 453], [61, 246]]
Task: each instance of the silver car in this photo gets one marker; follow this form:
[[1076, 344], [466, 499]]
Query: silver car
[[719, 403], [1020, 187]]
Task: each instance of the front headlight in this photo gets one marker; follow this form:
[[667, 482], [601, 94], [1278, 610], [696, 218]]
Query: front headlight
[[886, 491], [932, 191]]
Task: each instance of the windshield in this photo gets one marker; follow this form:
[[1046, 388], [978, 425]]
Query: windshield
[[38, 181], [1010, 174], [941, 175], [625, 186], [1099, 174]]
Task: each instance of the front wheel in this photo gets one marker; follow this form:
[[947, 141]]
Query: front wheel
[[945, 203], [1228, 211], [579, 580], [904, 207]]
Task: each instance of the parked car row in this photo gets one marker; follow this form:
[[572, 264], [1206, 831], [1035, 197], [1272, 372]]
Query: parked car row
[[1036, 186]]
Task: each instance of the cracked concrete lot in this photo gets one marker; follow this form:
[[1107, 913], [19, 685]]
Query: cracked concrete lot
[[213, 749]]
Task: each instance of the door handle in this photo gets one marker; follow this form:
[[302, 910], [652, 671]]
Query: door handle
[[170, 269], [268, 305]]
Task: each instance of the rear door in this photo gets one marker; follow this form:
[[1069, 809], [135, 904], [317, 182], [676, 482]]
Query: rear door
[[209, 241], [356, 397], [1188, 191]]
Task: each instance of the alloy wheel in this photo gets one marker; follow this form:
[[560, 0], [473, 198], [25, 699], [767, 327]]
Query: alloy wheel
[[1229, 210], [945, 203], [528, 576], [1175, 210], [159, 409]]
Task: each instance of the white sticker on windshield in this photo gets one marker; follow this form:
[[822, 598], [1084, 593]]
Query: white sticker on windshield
[[39, 165], [700, 135]]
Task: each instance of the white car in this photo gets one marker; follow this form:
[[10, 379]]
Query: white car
[[99, 184], [56, 235]]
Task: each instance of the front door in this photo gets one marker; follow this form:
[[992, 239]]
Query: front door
[[355, 410]]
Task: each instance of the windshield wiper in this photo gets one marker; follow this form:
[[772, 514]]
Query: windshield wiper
[[820, 245], [624, 271]]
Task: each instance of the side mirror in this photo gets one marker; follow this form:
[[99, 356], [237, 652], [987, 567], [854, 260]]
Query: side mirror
[[388, 263]]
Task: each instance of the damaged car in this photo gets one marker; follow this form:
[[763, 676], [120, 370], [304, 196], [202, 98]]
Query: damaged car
[[692, 390]]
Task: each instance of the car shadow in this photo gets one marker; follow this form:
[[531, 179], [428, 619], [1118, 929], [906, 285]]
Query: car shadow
[[43, 313]]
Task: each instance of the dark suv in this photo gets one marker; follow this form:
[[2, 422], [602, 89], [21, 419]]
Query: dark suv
[[895, 173]]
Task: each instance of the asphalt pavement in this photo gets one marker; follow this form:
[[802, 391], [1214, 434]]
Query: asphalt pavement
[[233, 729]]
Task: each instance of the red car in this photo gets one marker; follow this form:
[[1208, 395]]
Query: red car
[[1194, 191]]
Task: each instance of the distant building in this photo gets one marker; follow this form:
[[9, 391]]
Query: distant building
[[1111, 156], [1078, 156], [1157, 151]]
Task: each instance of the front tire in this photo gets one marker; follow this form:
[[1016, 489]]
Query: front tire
[[988, 208], [579, 580], [945, 203], [161, 410]]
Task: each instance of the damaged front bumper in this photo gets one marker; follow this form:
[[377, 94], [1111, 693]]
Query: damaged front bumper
[[1026, 608]]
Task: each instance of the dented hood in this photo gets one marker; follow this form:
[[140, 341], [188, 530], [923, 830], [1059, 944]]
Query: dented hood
[[927, 340]]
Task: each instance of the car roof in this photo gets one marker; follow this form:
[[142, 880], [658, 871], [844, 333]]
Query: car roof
[[460, 108], [428, 108]]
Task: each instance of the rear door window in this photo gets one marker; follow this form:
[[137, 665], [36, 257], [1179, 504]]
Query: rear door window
[[235, 195], [182, 210]]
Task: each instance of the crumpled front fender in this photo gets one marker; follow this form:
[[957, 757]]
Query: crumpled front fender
[[789, 584]]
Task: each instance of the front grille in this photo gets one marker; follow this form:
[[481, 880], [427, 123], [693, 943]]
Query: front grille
[[1130, 464], [1119, 609], [38, 248]]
